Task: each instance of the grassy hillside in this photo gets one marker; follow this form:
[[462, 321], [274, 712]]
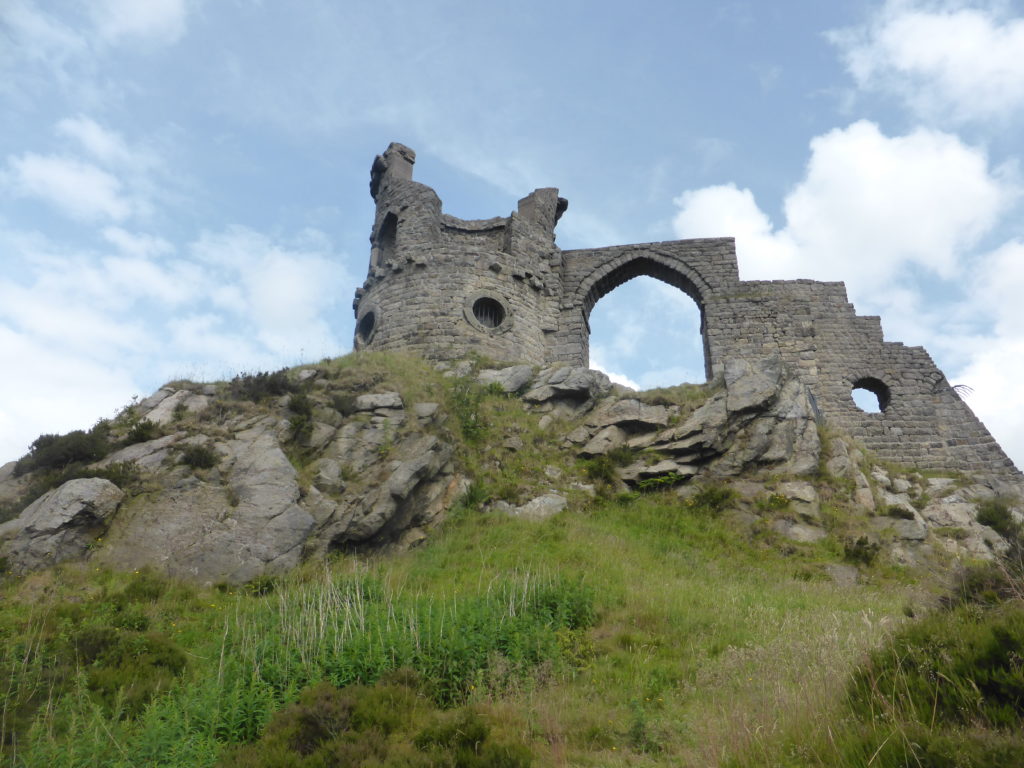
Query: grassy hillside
[[631, 629]]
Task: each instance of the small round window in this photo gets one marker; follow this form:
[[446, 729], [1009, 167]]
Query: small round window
[[870, 395], [366, 326], [488, 312]]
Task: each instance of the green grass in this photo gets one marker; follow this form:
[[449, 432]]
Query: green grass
[[641, 629]]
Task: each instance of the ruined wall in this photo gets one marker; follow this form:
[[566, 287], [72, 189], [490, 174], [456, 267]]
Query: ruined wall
[[444, 288]]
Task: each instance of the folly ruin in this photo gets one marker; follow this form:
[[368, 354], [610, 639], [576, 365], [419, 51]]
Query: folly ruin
[[444, 287]]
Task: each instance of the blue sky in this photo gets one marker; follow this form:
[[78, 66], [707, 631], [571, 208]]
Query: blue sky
[[183, 184]]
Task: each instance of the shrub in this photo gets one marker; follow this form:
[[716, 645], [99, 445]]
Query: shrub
[[258, 386], [710, 500], [199, 457], [61, 451], [898, 512], [996, 514], [142, 431], [385, 724], [860, 550], [960, 667]]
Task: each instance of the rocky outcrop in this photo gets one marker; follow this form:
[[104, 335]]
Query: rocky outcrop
[[60, 525], [759, 417], [226, 490]]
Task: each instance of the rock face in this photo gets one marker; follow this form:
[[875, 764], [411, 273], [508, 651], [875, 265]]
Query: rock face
[[761, 418], [230, 491], [60, 525]]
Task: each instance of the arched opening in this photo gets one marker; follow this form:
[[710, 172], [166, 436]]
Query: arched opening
[[870, 395], [366, 326], [646, 331], [386, 240]]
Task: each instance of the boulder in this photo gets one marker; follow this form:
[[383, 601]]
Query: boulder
[[575, 385], [511, 380], [607, 439], [164, 411], [542, 507], [62, 524], [379, 400], [203, 531]]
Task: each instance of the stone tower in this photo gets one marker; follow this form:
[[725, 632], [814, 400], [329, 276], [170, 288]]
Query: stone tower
[[444, 288]]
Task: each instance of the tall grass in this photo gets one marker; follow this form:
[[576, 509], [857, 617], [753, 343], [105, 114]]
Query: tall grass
[[249, 656]]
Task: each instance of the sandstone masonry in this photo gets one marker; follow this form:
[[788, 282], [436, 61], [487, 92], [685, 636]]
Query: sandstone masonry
[[444, 287]]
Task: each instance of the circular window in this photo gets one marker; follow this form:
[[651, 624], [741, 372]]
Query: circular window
[[870, 395], [366, 326], [488, 312]]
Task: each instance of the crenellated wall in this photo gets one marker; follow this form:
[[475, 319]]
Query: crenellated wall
[[444, 287]]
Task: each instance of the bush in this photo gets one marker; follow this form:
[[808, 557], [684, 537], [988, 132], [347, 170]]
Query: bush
[[996, 514], [960, 668], [58, 452], [710, 500], [199, 457], [259, 386], [385, 724], [141, 432], [860, 550]]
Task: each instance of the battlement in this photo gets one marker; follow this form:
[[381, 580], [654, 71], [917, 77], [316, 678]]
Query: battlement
[[444, 287]]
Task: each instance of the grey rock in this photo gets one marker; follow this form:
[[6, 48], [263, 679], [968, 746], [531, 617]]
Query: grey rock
[[379, 400], [513, 379], [631, 415], [804, 498], [839, 466], [148, 455], [899, 485], [898, 500], [881, 477], [843, 575], [328, 475], [950, 514], [60, 525], [641, 471], [751, 386], [319, 436], [864, 498], [164, 412], [607, 439], [425, 411], [542, 507], [205, 532], [567, 383], [907, 530], [804, 534]]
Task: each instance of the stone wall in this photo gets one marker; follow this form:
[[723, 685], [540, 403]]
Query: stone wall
[[445, 288]]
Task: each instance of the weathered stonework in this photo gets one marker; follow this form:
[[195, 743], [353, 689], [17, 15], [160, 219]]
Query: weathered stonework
[[444, 287]]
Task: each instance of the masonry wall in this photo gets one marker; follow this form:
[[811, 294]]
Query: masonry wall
[[428, 270]]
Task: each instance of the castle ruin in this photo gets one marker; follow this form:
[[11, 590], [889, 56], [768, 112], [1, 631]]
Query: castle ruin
[[444, 287]]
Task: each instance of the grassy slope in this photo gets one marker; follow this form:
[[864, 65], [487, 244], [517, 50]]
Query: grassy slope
[[706, 644]]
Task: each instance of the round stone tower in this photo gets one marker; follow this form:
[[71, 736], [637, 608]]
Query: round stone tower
[[444, 287]]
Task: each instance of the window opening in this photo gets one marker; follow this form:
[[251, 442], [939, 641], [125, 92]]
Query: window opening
[[488, 312], [366, 326], [870, 395]]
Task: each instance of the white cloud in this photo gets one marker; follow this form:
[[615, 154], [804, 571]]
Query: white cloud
[[879, 213], [137, 244], [105, 145], [949, 59], [53, 391], [868, 208], [152, 21], [230, 301], [81, 190]]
